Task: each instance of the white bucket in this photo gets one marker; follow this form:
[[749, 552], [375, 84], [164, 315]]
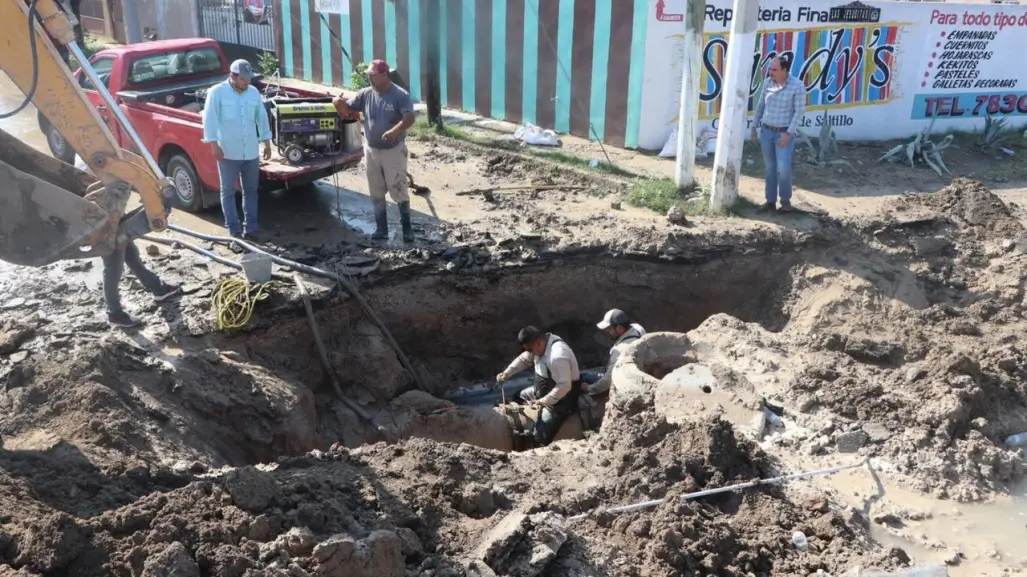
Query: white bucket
[[256, 267]]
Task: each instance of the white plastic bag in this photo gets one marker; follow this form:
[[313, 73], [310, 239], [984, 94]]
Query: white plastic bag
[[704, 144], [531, 134]]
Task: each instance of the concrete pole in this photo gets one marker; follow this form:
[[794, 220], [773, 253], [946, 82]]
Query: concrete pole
[[688, 112], [133, 31], [732, 131]]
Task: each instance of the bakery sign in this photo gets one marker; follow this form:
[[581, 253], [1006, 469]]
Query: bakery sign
[[855, 12]]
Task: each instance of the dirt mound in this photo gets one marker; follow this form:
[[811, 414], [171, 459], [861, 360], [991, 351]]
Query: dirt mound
[[971, 205]]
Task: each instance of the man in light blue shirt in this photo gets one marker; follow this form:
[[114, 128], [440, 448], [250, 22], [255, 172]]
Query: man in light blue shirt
[[234, 121]]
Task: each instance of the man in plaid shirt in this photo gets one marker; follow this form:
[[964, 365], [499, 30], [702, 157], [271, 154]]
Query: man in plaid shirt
[[780, 108]]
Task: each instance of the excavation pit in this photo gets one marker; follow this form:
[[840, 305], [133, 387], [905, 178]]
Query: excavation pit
[[460, 330]]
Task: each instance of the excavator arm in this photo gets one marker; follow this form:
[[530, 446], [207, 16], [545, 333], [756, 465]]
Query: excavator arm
[[50, 211]]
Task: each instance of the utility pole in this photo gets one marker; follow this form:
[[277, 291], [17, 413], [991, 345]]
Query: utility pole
[[731, 134], [133, 32], [688, 112], [433, 92]]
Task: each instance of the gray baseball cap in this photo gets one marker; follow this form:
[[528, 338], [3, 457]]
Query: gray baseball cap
[[242, 69], [613, 317]]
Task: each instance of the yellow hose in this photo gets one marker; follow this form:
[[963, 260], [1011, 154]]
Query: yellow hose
[[233, 302]]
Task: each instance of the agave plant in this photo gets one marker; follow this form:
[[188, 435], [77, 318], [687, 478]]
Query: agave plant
[[825, 152], [922, 149], [993, 134]]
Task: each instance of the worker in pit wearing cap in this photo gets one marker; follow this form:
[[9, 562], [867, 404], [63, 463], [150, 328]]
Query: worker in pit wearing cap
[[617, 326], [557, 385]]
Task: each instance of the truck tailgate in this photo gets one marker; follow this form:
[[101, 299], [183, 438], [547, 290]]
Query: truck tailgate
[[278, 169]]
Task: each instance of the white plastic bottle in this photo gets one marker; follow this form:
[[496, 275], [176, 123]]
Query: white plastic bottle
[[799, 540]]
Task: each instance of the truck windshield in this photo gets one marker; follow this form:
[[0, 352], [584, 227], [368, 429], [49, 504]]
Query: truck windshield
[[171, 65]]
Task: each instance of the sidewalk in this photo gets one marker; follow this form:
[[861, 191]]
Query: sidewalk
[[849, 191]]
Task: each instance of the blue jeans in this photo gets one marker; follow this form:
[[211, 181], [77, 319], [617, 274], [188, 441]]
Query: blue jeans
[[230, 172], [777, 163]]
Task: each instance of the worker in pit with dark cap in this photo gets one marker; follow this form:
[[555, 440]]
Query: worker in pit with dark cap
[[617, 326], [557, 385]]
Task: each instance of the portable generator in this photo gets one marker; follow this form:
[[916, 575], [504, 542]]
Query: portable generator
[[305, 128]]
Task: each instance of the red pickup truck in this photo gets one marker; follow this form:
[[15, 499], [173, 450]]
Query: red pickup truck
[[161, 88]]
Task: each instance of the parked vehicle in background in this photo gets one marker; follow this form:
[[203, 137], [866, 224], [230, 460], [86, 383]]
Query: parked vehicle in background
[[161, 88]]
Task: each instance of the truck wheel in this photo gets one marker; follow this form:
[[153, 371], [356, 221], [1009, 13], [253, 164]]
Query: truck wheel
[[190, 189], [59, 147]]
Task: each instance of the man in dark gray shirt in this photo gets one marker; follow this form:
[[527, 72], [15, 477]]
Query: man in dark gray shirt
[[387, 112]]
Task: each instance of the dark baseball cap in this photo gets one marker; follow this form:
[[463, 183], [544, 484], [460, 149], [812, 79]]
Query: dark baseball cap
[[242, 69], [614, 317]]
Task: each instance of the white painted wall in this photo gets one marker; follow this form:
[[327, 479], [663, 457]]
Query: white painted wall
[[952, 62]]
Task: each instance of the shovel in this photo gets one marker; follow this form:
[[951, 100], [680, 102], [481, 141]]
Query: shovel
[[417, 189]]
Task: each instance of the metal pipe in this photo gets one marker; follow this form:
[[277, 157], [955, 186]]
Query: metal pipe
[[114, 109], [174, 242], [739, 486]]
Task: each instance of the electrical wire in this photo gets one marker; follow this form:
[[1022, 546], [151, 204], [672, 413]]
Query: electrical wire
[[33, 14], [581, 107], [233, 302]]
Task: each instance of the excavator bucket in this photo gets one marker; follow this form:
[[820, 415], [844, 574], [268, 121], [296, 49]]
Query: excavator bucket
[[43, 215]]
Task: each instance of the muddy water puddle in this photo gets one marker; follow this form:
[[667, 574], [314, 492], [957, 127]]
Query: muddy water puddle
[[975, 539]]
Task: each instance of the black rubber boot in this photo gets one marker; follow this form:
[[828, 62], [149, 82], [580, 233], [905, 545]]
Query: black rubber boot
[[381, 219], [404, 218]]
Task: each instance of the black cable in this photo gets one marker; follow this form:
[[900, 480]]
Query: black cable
[[577, 101], [337, 39], [35, 64]]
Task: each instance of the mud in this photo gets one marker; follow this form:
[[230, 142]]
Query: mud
[[178, 450]]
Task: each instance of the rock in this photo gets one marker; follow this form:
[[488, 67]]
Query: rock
[[915, 373], [477, 500], [850, 442], [805, 403], [251, 489], [828, 526], [173, 561], [411, 542], [14, 337], [297, 542], [817, 504], [1008, 364], [961, 381], [929, 246], [379, 555], [548, 534], [1008, 245], [676, 216], [478, 568], [900, 555], [13, 303], [152, 250], [871, 351], [260, 529], [18, 356], [615, 204], [876, 432], [964, 365], [334, 554]]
